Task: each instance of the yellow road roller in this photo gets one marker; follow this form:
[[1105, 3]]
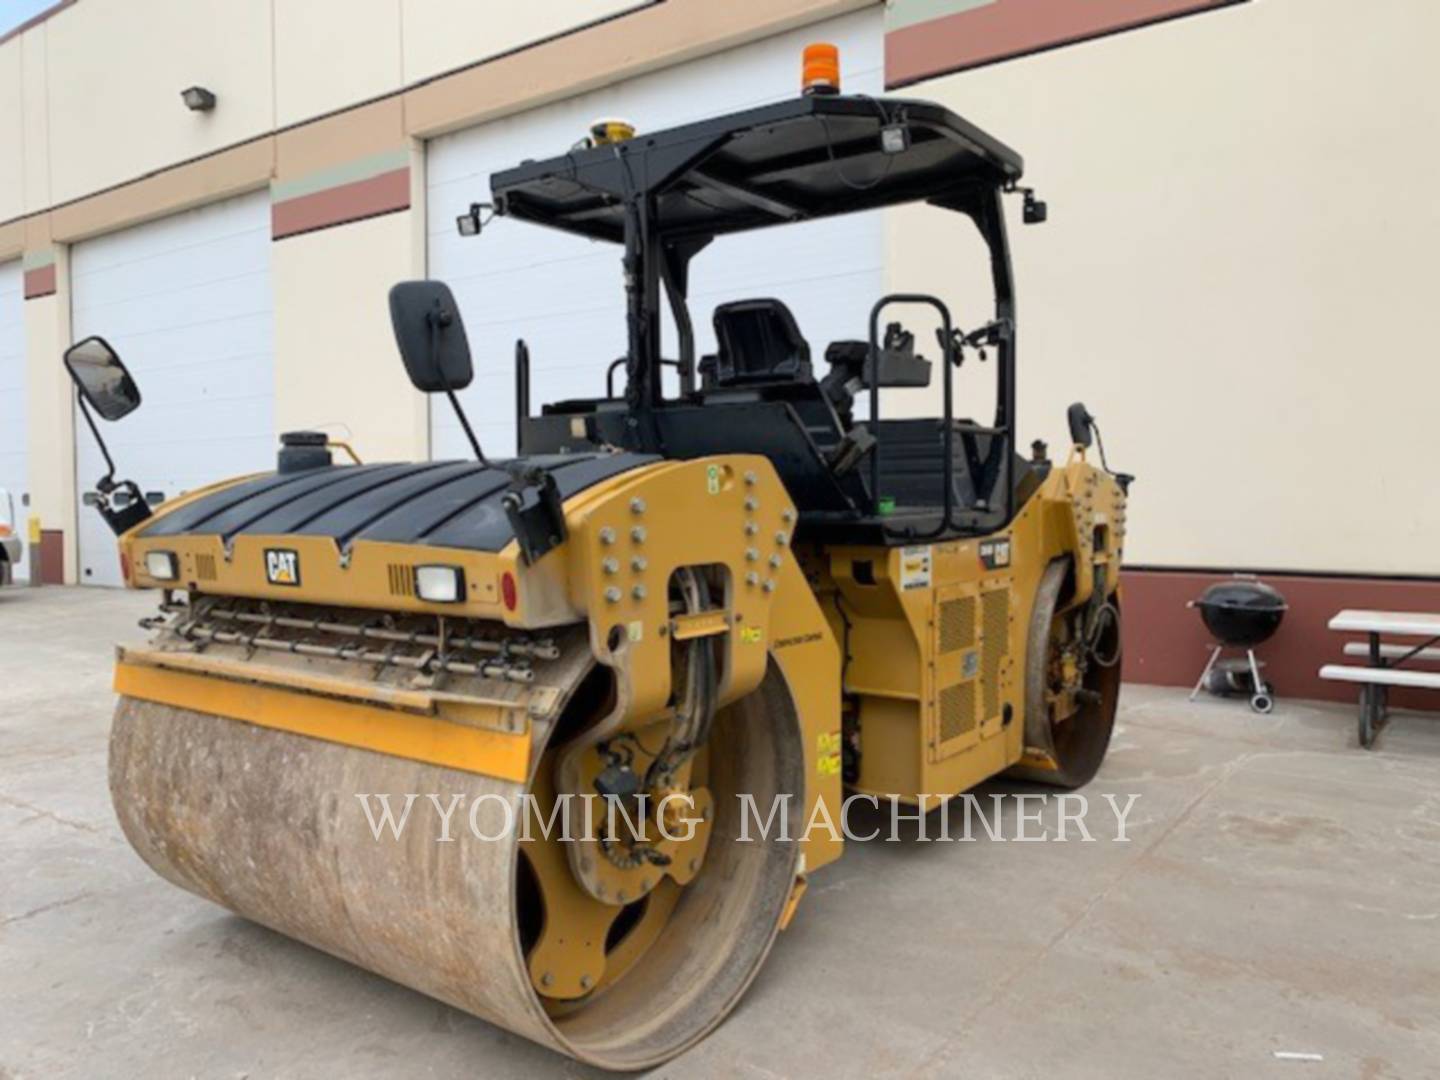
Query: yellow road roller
[[694, 613]]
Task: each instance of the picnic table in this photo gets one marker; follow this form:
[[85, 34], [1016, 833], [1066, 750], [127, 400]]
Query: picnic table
[[1385, 660]]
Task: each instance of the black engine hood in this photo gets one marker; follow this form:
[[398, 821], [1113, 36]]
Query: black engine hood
[[454, 504]]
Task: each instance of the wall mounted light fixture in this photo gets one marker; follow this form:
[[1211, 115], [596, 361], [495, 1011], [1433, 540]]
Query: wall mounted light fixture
[[198, 99]]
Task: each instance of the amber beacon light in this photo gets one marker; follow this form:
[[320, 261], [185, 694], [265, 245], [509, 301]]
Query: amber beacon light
[[821, 71]]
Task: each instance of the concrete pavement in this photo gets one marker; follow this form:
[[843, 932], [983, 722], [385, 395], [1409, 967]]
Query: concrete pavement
[[1280, 893]]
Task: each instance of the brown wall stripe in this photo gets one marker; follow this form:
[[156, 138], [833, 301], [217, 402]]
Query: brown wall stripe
[[1003, 29], [1166, 644], [371, 197], [40, 281]]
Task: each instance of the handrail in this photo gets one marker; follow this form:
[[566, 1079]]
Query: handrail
[[948, 473]]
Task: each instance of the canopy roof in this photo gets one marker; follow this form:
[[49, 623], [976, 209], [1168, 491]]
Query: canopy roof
[[806, 158]]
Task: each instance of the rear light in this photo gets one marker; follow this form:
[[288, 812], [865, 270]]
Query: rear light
[[440, 584], [508, 592], [5, 530], [162, 565]]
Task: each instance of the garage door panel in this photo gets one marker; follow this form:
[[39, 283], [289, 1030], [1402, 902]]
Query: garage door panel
[[187, 303], [169, 241], [14, 430], [564, 294], [168, 311], [190, 272]]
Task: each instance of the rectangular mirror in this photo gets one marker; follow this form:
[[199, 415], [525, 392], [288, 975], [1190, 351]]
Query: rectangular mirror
[[430, 336], [101, 378]]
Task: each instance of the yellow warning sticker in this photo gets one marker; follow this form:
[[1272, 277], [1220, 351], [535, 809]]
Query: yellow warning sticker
[[827, 753], [752, 635]]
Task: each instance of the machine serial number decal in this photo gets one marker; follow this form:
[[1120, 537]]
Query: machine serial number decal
[[803, 639], [995, 553], [915, 568], [282, 566]]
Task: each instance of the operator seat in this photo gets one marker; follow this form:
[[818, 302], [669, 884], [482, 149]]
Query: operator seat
[[759, 343]]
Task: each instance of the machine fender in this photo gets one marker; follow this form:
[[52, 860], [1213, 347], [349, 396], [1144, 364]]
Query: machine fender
[[803, 647]]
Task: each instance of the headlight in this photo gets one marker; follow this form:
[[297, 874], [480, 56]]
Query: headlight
[[440, 584], [162, 565]]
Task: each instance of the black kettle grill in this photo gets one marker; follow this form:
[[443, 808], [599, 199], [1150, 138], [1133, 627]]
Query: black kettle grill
[[1239, 614]]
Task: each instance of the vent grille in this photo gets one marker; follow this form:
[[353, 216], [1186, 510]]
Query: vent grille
[[957, 710], [957, 624], [402, 579], [205, 567], [995, 628]]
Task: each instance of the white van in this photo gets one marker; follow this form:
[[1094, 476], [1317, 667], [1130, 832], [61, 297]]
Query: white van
[[11, 549]]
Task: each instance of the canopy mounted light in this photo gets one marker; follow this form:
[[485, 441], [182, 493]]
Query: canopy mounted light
[[198, 99], [820, 69], [476, 218]]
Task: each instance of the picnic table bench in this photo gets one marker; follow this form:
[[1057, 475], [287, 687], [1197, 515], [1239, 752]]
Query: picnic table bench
[[1386, 659]]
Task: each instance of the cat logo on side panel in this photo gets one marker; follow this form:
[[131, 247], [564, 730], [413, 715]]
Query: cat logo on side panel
[[282, 566]]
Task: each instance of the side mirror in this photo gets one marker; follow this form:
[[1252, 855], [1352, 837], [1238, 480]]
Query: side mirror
[[430, 336], [1080, 424], [102, 379]]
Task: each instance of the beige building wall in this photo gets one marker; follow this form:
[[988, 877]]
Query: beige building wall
[[114, 72], [442, 35], [1237, 276], [313, 76], [336, 368], [51, 414], [12, 130]]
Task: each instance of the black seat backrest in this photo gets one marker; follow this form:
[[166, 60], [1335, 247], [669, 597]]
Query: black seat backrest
[[759, 342]]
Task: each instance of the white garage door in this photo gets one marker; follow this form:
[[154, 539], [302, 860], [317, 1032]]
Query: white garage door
[[186, 301], [564, 295], [14, 477]]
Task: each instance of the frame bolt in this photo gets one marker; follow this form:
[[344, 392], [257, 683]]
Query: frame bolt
[[638, 592], [607, 535], [612, 594], [637, 534], [750, 478], [782, 538], [610, 566], [637, 505], [752, 503], [787, 516], [752, 578], [638, 563], [769, 584], [751, 555]]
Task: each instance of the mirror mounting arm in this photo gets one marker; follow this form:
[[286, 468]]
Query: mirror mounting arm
[[107, 481], [437, 318]]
